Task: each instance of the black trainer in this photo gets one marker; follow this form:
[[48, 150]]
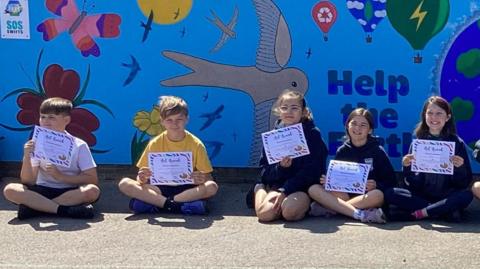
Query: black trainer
[[25, 212], [80, 212]]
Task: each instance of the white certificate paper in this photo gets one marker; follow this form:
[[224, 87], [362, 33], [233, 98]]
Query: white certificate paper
[[170, 168], [287, 141], [433, 156], [53, 147], [347, 177]]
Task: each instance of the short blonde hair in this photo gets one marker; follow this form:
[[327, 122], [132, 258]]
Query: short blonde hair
[[172, 105]]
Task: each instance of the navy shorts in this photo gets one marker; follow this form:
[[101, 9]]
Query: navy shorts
[[50, 193], [170, 191]]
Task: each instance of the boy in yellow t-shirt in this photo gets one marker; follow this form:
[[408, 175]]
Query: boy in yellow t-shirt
[[187, 199]]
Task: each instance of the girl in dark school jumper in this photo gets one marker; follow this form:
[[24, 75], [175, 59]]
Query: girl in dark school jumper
[[427, 194]]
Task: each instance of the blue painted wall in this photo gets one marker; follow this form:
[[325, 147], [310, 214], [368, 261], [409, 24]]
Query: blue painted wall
[[238, 79]]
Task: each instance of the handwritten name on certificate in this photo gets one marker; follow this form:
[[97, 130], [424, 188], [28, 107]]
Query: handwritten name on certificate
[[283, 142], [433, 156], [347, 177], [53, 147], [170, 168]]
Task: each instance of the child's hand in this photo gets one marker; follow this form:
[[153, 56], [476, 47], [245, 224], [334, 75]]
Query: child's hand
[[322, 180], [457, 160], [407, 160], [286, 162], [371, 185], [52, 170], [277, 202], [143, 176], [28, 148], [200, 178]]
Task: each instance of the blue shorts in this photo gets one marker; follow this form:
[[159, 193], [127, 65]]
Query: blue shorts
[[50, 193], [170, 191]]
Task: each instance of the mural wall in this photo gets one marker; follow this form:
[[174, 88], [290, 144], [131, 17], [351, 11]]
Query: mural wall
[[229, 60]]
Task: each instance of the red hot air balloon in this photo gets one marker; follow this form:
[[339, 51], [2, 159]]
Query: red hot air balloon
[[324, 14]]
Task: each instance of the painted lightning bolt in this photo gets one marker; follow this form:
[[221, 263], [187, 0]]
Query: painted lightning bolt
[[418, 14]]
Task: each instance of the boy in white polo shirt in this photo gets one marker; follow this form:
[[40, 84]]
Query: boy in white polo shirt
[[47, 188]]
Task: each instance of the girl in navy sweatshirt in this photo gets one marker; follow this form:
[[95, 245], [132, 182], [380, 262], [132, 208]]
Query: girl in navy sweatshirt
[[428, 194], [283, 188], [360, 147]]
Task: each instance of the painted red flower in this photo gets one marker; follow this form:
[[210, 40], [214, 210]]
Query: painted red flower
[[58, 82]]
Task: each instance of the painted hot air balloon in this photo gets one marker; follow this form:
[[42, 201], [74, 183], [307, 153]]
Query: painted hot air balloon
[[369, 13], [418, 20], [324, 14]]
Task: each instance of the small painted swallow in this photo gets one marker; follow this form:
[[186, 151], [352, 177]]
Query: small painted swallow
[[177, 13], [211, 117], [227, 30], [183, 32], [147, 26], [216, 147], [309, 53], [205, 97], [134, 68]]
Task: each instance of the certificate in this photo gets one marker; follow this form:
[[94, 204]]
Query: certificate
[[433, 156], [283, 142], [170, 168], [53, 147], [347, 177]]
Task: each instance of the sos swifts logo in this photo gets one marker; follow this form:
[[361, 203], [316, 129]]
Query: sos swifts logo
[[13, 8], [14, 19]]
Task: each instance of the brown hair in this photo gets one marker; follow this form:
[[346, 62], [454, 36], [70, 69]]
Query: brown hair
[[422, 130], [172, 105], [57, 106], [363, 113], [307, 114]]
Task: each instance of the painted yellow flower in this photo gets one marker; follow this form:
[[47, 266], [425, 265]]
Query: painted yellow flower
[[149, 122]]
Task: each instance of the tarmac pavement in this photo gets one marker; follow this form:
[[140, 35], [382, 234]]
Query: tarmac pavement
[[229, 237]]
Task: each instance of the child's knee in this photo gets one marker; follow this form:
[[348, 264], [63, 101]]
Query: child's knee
[[90, 193], [315, 190], [376, 196], [293, 213], [11, 191], [211, 188], [125, 184], [476, 189]]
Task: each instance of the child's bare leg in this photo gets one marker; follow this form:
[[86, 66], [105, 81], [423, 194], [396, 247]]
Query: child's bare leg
[[84, 194], [295, 206], [20, 194], [147, 193], [260, 195], [268, 209], [202, 191], [476, 189], [371, 199], [335, 201]]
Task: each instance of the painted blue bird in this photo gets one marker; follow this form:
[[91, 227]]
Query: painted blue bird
[[134, 68], [147, 26], [211, 117], [215, 146]]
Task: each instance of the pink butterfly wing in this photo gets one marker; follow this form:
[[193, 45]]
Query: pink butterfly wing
[[85, 43], [103, 25], [100, 25], [52, 27]]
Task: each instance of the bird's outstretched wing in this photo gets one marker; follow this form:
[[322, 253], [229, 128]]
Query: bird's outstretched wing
[[275, 46]]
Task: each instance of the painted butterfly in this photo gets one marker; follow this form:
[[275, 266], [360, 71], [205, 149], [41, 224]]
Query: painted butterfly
[[81, 27]]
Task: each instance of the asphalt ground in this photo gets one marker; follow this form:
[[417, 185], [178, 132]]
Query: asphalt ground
[[229, 237]]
